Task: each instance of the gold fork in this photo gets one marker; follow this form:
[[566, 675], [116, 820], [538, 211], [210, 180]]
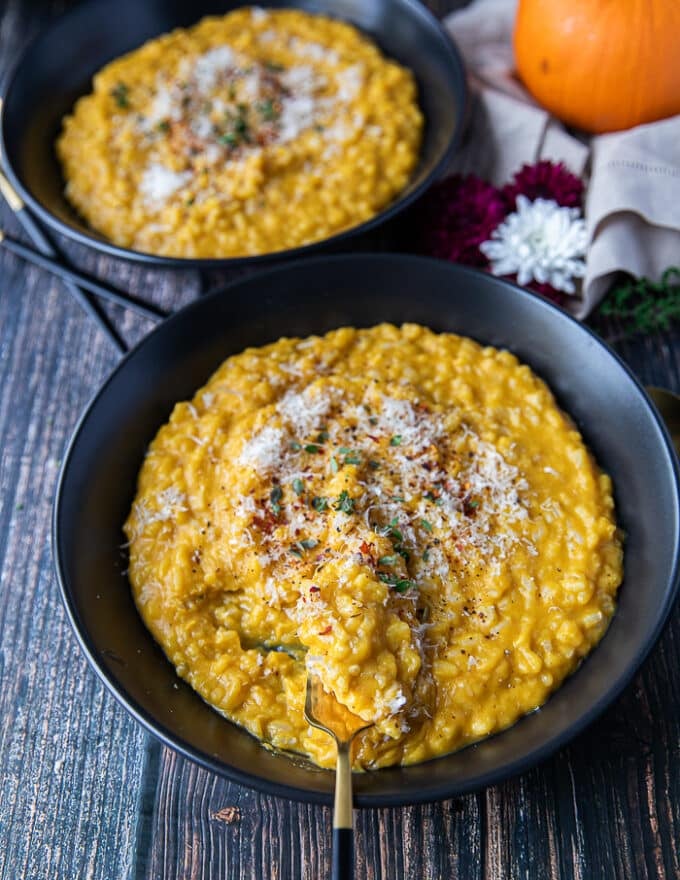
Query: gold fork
[[322, 710]]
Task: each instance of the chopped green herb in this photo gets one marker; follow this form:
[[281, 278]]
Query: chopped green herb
[[229, 139], [353, 458], [232, 91], [396, 440], [334, 465], [374, 465], [312, 447], [319, 128], [473, 504], [295, 446], [308, 543], [320, 503], [344, 503], [121, 95], [275, 496], [426, 525], [402, 551], [432, 497], [399, 584], [298, 486], [398, 498], [267, 110], [426, 556], [163, 126], [273, 67], [388, 560], [373, 420], [394, 532], [383, 531], [403, 585], [344, 450], [189, 202], [295, 552], [323, 436]]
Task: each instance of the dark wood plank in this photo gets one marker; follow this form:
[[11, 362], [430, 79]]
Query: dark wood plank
[[84, 793]]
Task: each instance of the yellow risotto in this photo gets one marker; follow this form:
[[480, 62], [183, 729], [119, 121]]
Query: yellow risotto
[[407, 514], [250, 133]]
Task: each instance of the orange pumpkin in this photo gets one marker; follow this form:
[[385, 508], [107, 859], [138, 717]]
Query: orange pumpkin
[[601, 65]]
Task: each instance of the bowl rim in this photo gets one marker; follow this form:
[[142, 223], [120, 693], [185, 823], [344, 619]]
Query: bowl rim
[[104, 246], [441, 790]]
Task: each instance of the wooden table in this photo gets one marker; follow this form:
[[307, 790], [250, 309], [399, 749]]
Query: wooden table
[[86, 793]]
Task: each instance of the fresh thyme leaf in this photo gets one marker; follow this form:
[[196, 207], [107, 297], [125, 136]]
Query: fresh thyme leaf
[[344, 502], [121, 95], [334, 465], [374, 465], [388, 560], [426, 525], [323, 436], [396, 440], [267, 110], [273, 67], [644, 305], [353, 458], [295, 552], [403, 585], [163, 126], [298, 486], [320, 503], [312, 447], [276, 494], [308, 543], [295, 446]]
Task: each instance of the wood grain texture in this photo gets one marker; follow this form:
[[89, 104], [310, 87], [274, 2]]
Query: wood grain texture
[[85, 793]]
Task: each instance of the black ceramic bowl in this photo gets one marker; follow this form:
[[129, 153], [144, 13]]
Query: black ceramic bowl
[[58, 67], [98, 479]]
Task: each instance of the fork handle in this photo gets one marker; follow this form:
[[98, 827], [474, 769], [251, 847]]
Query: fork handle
[[342, 865]]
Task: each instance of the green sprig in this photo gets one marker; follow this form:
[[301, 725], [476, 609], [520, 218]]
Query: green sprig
[[644, 305]]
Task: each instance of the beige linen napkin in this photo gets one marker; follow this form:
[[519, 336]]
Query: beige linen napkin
[[633, 196]]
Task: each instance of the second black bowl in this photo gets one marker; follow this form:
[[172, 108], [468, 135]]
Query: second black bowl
[[58, 68]]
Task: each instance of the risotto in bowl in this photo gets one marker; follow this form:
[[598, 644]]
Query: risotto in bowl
[[258, 131], [407, 514]]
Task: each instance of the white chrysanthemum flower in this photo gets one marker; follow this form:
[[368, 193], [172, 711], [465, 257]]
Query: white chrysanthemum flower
[[540, 242]]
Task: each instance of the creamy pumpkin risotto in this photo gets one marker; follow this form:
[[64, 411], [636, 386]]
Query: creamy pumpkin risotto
[[408, 514], [254, 132]]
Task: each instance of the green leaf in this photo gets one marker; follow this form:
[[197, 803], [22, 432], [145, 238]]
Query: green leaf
[[344, 503], [334, 465], [276, 494], [312, 447], [388, 560], [396, 440], [644, 305], [308, 543], [320, 503], [298, 486], [426, 525], [121, 95]]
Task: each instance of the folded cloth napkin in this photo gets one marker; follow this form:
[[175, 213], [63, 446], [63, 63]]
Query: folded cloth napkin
[[633, 196]]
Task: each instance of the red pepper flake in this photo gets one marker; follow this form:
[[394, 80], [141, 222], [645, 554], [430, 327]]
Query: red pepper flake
[[372, 437], [315, 589], [325, 632]]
